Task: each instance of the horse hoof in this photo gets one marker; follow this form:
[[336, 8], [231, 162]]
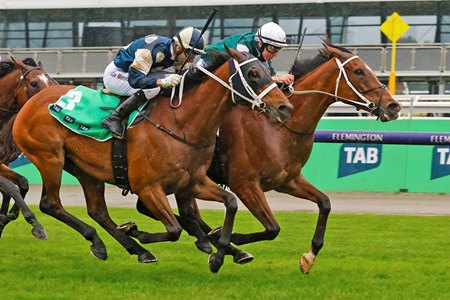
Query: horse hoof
[[215, 231], [127, 226], [204, 246], [215, 262], [243, 257], [147, 257], [39, 233], [100, 253], [306, 262]]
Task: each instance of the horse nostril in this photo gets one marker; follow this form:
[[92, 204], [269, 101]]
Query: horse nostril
[[394, 107], [285, 111]]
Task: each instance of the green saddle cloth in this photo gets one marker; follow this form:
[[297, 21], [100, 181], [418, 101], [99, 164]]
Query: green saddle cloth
[[80, 111]]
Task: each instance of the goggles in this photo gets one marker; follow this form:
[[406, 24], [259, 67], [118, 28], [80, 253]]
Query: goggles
[[272, 49]]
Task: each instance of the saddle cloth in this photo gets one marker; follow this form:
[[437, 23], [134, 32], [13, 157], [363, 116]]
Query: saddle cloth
[[80, 110]]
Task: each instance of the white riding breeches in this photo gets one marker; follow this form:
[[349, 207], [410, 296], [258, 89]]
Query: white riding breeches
[[116, 81]]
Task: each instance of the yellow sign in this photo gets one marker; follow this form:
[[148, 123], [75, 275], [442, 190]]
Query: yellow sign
[[394, 27]]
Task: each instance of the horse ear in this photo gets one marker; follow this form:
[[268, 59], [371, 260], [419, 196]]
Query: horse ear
[[237, 55], [333, 51], [18, 63]]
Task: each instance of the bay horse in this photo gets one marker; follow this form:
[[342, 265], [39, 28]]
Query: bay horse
[[19, 80], [158, 164], [255, 155]]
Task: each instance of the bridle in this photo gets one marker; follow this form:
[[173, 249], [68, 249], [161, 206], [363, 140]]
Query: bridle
[[371, 106], [23, 76], [254, 99]]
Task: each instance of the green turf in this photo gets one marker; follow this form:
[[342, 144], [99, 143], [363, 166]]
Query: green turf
[[364, 257]]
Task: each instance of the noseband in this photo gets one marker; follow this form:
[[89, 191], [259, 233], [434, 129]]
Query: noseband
[[367, 103]]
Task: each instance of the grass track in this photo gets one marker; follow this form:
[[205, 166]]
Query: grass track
[[364, 257]]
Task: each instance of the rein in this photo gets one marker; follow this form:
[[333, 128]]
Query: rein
[[256, 101], [177, 137], [367, 103]]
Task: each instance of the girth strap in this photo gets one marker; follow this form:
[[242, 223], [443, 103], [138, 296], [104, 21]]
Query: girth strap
[[120, 164]]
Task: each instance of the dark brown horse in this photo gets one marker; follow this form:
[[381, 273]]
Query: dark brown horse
[[19, 80], [256, 156], [158, 164]]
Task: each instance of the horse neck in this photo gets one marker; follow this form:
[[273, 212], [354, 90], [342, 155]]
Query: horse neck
[[309, 108], [205, 108]]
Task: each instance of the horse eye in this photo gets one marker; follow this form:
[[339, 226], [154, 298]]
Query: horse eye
[[359, 72], [34, 84], [254, 74]]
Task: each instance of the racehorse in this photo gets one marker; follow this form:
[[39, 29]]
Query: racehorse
[[255, 156], [158, 164], [19, 80]]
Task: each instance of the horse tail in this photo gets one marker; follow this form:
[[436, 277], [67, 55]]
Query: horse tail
[[8, 149]]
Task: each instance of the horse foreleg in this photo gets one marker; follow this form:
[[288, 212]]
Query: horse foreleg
[[302, 188], [251, 194], [4, 219], [22, 184], [208, 190], [189, 211], [10, 190]]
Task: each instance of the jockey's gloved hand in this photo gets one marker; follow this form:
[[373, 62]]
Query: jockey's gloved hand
[[170, 81]]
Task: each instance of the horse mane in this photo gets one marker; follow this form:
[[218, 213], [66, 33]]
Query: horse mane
[[7, 66], [30, 62], [304, 66], [195, 76]]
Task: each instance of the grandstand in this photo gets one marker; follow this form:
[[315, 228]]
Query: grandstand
[[76, 39]]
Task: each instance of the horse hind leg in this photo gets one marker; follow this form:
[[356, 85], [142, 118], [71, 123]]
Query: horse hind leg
[[10, 190], [94, 191]]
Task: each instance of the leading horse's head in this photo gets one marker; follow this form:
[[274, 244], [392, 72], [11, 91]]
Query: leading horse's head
[[33, 79], [358, 85]]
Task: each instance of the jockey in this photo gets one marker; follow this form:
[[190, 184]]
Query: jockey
[[146, 65], [265, 44]]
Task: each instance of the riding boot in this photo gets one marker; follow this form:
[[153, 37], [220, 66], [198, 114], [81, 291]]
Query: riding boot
[[114, 121]]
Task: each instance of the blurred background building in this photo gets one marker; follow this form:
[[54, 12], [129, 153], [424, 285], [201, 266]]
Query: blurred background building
[[75, 40]]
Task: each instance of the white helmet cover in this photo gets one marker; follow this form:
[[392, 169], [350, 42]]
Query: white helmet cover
[[271, 33], [188, 36]]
